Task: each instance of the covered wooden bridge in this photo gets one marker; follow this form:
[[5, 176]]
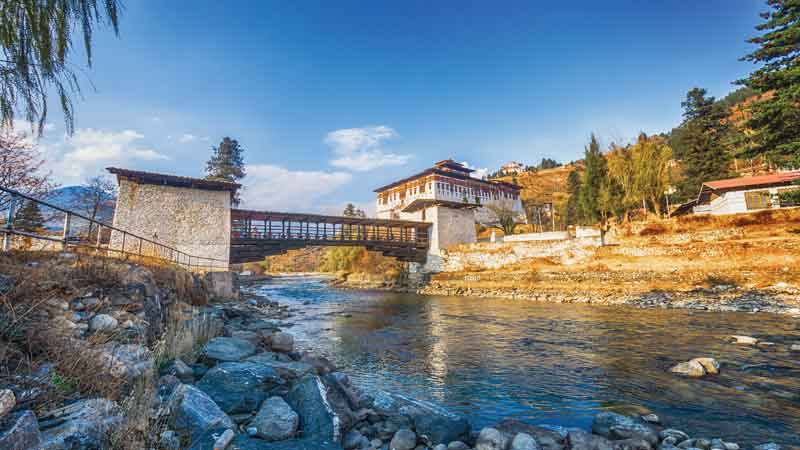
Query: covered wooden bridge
[[256, 234]]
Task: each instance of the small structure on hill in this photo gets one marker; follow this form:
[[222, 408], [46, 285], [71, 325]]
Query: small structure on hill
[[745, 194], [450, 198], [191, 215], [512, 168]]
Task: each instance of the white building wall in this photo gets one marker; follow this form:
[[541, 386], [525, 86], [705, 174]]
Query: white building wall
[[733, 202], [194, 221]]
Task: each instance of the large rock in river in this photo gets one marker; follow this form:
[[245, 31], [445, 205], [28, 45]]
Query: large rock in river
[[275, 421], [546, 438], [193, 412], [436, 423], [318, 421], [618, 427], [228, 349], [239, 387]]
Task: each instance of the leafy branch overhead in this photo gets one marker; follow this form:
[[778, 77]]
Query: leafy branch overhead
[[36, 40]]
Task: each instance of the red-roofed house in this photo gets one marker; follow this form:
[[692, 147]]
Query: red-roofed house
[[745, 194]]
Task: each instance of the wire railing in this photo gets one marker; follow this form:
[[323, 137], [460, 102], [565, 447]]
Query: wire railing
[[77, 230]]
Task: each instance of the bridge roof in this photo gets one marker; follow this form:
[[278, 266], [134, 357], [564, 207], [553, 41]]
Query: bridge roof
[[174, 180], [300, 217]]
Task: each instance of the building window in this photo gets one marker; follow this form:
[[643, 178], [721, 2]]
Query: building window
[[757, 199]]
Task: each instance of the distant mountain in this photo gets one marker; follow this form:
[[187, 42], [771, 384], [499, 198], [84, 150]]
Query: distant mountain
[[68, 197]]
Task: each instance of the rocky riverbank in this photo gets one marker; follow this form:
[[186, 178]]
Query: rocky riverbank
[[201, 371], [779, 299]]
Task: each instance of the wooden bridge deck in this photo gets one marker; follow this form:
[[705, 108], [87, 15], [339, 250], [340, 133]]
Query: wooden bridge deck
[[256, 234]]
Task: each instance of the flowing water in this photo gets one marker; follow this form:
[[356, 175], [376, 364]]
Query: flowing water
[[556, 364]]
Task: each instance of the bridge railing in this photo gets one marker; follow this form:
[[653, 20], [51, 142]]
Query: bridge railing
[[301, 227], [64, 229]]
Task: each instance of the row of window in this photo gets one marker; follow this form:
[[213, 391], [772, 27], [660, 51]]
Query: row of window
[[452, 190]]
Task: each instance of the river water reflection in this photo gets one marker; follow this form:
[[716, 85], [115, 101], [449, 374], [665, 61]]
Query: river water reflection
[[556, 364]]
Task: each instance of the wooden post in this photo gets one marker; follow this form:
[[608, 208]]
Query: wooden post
[[65, 232], [9, 223]]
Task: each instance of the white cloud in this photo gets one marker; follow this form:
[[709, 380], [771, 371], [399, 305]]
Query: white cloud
[[275, 188], [89, 151], [186, 138], [479, 172], [359, 149]]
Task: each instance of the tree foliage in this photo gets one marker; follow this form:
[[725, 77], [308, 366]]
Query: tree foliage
[[351, 211], [29, 218], [775, 119], [36, 38], [703, 154], [502, 216], [226, 163], [595, 174], [21, 167], [95, 193]]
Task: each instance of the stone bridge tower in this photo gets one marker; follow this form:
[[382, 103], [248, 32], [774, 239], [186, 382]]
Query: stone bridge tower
[[188, 214]]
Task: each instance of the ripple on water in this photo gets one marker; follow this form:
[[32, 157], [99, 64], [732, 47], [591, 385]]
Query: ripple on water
[[556, 363]]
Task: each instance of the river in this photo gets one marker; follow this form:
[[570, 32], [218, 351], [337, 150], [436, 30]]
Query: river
[[555, 364]]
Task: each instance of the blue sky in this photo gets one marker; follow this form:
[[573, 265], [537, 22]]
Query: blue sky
[[333, 99]]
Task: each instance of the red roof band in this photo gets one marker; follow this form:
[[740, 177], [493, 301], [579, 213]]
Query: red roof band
[[760, 180]]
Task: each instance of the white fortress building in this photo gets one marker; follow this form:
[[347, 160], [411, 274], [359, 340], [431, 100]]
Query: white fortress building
[[450, 198]]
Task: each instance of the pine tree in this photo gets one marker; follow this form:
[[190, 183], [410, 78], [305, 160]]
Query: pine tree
[[349, 210], [775, 119], [573, 211], [29, 218], [703, 154], [227, 164], [594, 177]]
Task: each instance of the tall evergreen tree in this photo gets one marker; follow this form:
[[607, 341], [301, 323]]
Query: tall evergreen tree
[[227, 163], [29, 218], [703, 153], [595, 174], [775, 119], [573, 211]]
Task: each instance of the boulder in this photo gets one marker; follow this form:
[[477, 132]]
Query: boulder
[[275, 421], [457, 445], [282, 342], [7, 402], [83, 424], [20, 431], [492, 439], [128, 361], [103, 323], [169, 440], [181, 370], [744, 340], [228, 349], [582, 440], [193, 411], [677, 435], [239, 387], [318, 421], [404, 439], [524, 441], [546, 438], [710, 365], [618, 427], [431, 421], [354, 440], [289, 370], [689, 369]]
